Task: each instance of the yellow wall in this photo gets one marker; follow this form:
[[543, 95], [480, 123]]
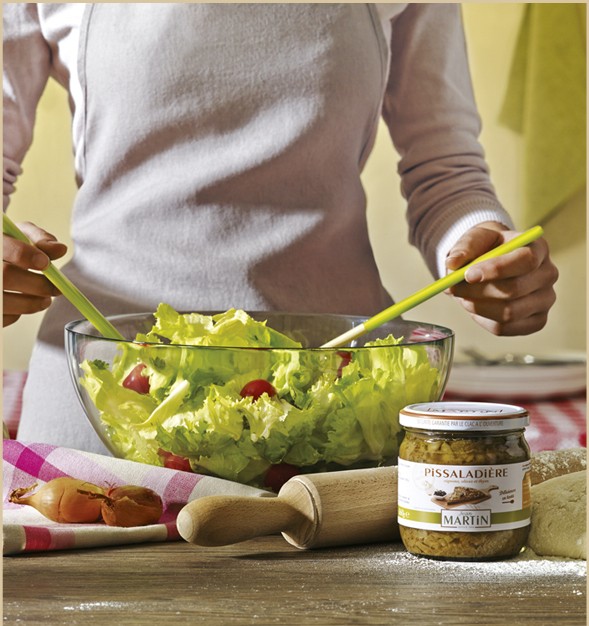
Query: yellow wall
[[491, 31], [44, 195], [46, 189]]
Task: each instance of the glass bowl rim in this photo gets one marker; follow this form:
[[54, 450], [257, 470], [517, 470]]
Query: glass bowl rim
[[70, 327]]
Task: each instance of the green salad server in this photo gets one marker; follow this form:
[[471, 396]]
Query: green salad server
[[453, 278], [67, 288]]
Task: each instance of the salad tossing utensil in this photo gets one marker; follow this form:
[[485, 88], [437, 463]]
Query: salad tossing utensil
[[435, 288], [67, 288]]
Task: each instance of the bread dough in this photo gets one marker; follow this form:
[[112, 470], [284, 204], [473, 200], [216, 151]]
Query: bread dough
[[551, 463], [559, 515]]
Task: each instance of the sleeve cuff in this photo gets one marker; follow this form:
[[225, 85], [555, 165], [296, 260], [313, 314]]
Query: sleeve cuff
[[453, 223]]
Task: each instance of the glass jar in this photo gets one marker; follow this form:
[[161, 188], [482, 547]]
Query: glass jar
[[464, 480]]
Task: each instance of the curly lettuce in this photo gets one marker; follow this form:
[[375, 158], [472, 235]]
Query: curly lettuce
[[331, 408]]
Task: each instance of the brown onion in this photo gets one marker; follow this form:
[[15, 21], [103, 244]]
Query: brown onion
[[130, 505], [62, 500]]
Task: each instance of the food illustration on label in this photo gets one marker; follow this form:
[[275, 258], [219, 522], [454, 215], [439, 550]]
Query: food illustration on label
[[463, 498], [462, 495]]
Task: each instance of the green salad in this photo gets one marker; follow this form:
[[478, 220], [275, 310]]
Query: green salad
[[270, 406]]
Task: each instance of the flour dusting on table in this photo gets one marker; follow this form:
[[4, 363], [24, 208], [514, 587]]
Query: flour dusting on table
[[526, 565]]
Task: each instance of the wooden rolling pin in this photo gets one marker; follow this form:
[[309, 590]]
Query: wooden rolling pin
[[329, 509], [311, 511]]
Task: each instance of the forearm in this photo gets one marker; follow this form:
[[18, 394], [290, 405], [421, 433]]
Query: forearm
[[431, 113]]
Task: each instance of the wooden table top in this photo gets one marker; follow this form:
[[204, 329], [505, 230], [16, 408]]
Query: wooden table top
[[267, 581]]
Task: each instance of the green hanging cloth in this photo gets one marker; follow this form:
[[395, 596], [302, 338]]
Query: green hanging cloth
[[546, 103]]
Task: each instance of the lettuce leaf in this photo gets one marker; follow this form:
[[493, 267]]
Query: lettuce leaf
[[322, 413]]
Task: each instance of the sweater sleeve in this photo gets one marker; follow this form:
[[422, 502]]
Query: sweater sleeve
[[27, 62], [431, 114]]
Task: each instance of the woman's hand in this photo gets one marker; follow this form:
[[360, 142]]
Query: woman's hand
[[508, 295], [24, 289]]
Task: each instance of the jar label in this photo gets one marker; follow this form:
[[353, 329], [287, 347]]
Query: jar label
[[464, 498]]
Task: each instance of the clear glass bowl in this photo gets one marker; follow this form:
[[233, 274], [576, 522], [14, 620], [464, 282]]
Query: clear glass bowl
[[334, 408]]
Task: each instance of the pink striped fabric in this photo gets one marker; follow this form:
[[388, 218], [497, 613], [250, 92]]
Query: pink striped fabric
[[26, 530]]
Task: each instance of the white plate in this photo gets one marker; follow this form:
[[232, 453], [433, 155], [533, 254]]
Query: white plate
[[565, 378]]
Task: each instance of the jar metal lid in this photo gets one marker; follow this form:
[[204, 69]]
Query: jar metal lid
[[473, 416]]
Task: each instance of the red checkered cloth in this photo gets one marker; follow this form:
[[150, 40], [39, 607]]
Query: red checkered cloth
[[558, 424], [555, 424]]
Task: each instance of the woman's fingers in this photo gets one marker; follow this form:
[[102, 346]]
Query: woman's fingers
[[508, 295], [17, 304], [18, 280], [25, 289], [43, 241], [23, 255], [474, 243], [24, 292], [520, 316]]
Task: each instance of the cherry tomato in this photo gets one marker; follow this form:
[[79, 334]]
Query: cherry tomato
[[583, 439], [345, 357], [255, 388], [278, 474], [136, 381], [173, 461]]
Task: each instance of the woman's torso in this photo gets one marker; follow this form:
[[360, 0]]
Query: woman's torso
[[219, 150]]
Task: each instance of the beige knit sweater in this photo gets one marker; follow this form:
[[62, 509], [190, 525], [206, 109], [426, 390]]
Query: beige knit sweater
[[218, 150]]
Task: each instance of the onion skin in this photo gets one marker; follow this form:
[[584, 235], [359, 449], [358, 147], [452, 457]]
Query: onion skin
[[64, 500], [130, 505]]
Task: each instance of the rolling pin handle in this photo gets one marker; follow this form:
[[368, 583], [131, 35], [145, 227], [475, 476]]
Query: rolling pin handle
[[223, 520]]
